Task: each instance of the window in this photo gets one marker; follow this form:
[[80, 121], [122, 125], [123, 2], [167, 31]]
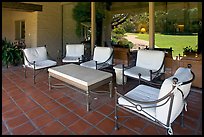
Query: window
[[19, 30]]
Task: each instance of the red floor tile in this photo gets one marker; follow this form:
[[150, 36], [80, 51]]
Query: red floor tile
[[26, 104], [12, 113], [106, 125], [66, 132], [123, 131], [94, 117], [36, 112], [12, 123], [24, 129], [64, 100], [63, 111], [135, 123], [43, 120], [106, 110], [94, 131], [59, 112], [51, 106], [4, 129], [69, 119], [52, 128], [80, 127]]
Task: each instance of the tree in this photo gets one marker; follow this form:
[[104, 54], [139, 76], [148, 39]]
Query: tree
[[82, 13]]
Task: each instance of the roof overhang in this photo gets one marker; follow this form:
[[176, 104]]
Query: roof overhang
[[22, 6]]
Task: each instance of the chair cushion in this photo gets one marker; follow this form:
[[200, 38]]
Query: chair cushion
[[43, 64], [141, 93], [92, 64], [35, 54], [71, 59], [150, 59], [134, 71], [101, 54], [74, 50]]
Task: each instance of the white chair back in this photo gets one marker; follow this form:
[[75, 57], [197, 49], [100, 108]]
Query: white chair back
[[74, 50], [150, 59], [183, 75], [101, 54], [35, 54]]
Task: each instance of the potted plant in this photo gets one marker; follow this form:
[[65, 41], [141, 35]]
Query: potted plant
[[189, 51], [10, 54]]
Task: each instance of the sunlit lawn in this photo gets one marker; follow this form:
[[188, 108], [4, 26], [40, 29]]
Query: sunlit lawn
[[177, 42]]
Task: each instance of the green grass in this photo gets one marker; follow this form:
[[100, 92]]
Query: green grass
[[177, 42]]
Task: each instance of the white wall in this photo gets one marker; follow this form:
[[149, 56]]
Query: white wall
[[8, 25], [69, 25], [49, 27]]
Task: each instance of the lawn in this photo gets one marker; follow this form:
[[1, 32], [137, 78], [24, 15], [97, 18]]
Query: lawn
[[177, 42]]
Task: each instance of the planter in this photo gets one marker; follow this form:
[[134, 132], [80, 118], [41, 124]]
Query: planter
[[121, 55], [189, 54]]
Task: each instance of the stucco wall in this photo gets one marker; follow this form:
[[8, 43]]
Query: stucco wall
[[69, 25], [8, 25], [49, 28]]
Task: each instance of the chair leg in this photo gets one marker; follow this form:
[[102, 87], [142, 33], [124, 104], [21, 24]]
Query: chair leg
[[182, 122], [25, 71], [116, 117], [34, 76]]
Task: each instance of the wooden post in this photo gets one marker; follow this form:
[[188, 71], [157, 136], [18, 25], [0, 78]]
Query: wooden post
[[151, 25], [93, 26]]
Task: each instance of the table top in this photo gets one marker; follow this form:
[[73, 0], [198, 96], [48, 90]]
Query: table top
[[83, 75], [118, 66]]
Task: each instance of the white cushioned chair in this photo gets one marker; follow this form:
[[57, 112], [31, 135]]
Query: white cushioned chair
[[37, 59], [74, 53], [160, 106], [149, 65], [102, 58]]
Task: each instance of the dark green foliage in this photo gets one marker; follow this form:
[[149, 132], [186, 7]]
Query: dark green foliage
[[10, 53], [82, 13]]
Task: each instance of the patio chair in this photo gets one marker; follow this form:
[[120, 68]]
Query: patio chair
[[74, 53], [160, 106], [102, 58], [149, 65], [37, 59]]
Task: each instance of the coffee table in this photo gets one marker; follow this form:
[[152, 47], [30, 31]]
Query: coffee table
[[86, 79]]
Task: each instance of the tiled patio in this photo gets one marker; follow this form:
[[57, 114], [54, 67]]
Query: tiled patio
[[34, 110]]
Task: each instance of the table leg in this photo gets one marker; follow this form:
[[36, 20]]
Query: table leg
[[111, 88], [87, 101]]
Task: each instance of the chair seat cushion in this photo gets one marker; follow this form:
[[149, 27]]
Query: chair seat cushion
[[71, 59], [92, 64], [134, 71], [141, 93], [43, 64]]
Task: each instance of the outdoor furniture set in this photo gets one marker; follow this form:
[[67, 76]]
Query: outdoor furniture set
[[160, 106]]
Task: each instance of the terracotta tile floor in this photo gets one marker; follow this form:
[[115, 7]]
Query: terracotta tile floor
[[32, 109]]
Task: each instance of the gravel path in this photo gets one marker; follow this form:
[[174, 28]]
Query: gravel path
[[137, 42]]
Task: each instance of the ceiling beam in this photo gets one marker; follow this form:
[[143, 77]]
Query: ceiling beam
[[22, 6]]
